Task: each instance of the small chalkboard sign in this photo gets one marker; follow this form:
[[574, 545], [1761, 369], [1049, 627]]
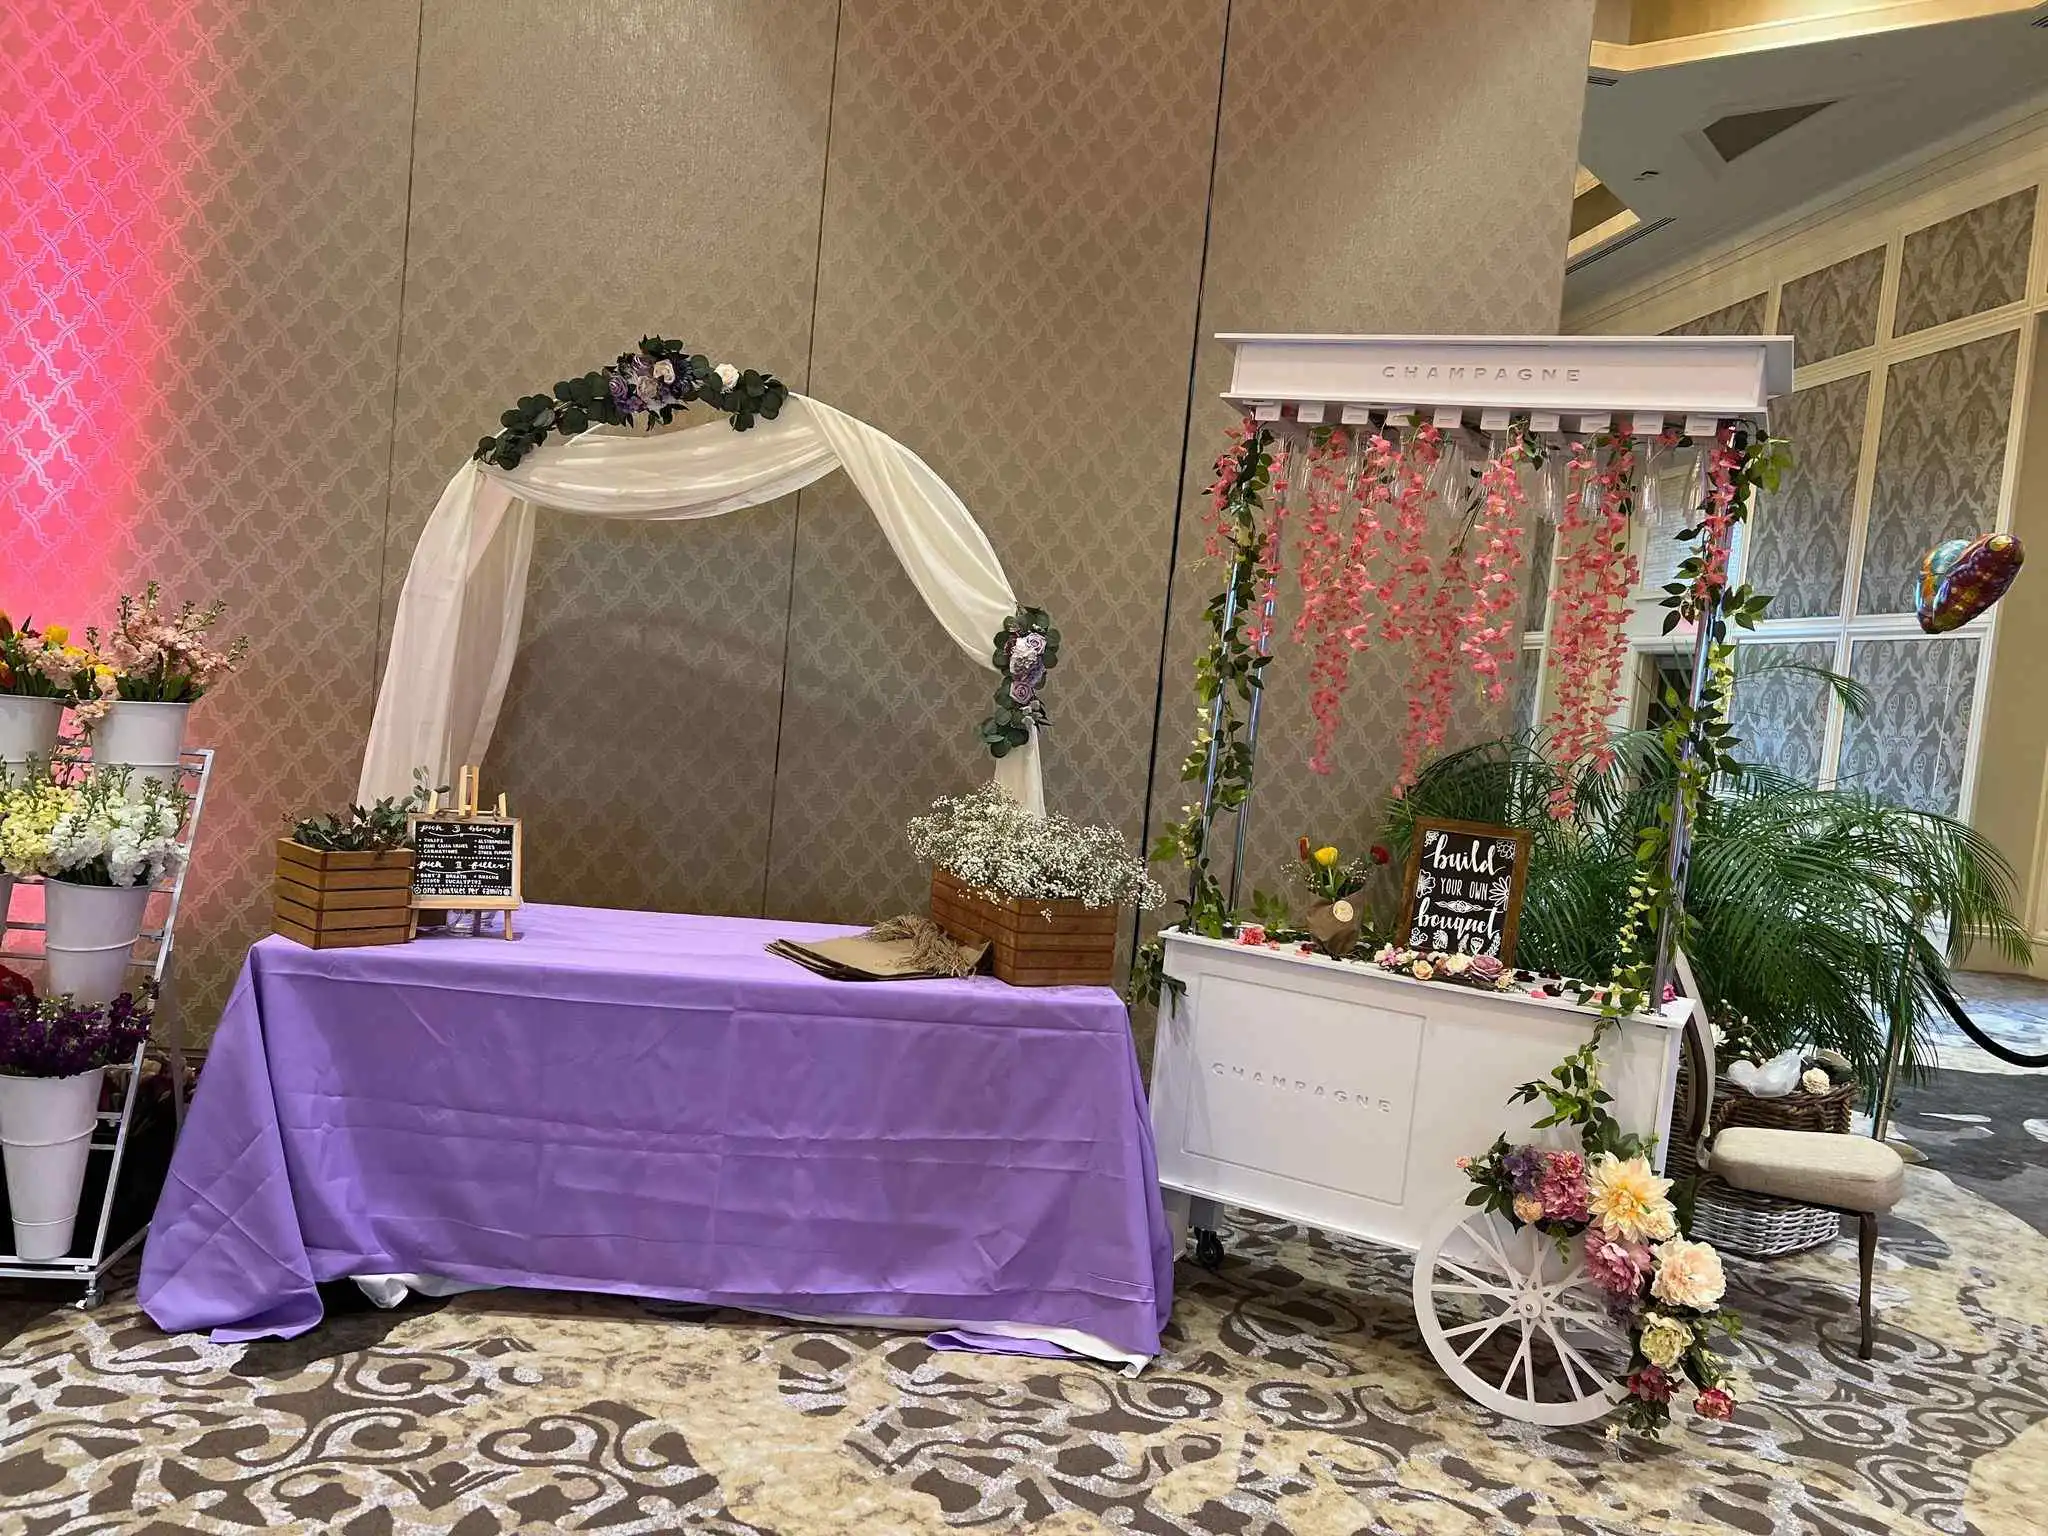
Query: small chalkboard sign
[[465, 863], [1463, 890]]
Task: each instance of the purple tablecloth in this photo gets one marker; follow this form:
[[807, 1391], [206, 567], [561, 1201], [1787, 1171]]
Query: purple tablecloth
[[648, 1104]]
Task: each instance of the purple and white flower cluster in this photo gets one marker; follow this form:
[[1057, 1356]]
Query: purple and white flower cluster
[[1027, 667]]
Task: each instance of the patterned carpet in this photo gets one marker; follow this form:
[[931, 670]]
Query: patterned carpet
[[1296, 1398]]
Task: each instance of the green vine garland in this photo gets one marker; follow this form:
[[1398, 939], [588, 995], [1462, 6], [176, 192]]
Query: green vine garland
[[1228, 676], [653, 383], [1698, 738]]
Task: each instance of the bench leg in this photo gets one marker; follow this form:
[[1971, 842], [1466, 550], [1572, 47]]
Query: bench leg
[[1866, 1258]]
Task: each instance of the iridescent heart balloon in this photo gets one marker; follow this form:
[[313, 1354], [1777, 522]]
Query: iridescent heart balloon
[[1960, 578]]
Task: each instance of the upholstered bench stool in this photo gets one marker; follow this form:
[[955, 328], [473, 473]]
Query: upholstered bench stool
[[1852, 1174]]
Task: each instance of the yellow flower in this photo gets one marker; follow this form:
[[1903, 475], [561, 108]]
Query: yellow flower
[[1665, 1340], [1528, 1208], [1326, 857], [1629, 1200], [57, 634]]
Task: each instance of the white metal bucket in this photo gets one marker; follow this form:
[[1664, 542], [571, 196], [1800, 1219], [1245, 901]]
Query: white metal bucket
[[45, 1135], [28, 728], [144, 737], [88, 933]]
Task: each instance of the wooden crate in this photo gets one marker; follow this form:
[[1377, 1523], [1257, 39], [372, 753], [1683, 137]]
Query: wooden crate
[[1074, 946], [331, 900]]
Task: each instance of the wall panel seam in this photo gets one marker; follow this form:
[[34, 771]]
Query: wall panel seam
[[412, 146], [796, 519], [1180, 490]]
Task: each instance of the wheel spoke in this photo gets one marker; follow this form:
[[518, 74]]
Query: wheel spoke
[[1594, 1324], [1521, 1355], [1571, 1357], [1483, 1230], [1465, 1274], [1493, 1326], [1484, 1322], [1564, 1354], [1481, 1289]]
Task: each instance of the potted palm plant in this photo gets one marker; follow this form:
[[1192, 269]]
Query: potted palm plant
[[1806, 909], [54, 1052]]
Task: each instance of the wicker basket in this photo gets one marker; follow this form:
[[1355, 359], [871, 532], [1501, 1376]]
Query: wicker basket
[[1756, 1226], [1759, 1226], [1796, 1111]]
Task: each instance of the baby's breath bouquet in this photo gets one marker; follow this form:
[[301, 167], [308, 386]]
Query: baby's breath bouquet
[[996, 848]]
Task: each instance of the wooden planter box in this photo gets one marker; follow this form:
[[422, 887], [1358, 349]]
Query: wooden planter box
[[1075, 946], [342, 900]]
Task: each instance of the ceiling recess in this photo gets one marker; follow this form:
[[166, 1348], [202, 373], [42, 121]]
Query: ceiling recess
[[1740, 132]]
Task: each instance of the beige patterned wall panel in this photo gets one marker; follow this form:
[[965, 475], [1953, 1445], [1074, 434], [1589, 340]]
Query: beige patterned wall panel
[[1012, 245], [1964, 265], [1422, 235], [583, 175], [1745, 317], [1834, 310], [1799, 550], [261, 154], [1940, 457]]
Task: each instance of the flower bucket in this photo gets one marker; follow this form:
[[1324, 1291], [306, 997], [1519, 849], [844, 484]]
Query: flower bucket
[[28, 728], [6, 896], [45, 1134], [88, 931], [144, 737]]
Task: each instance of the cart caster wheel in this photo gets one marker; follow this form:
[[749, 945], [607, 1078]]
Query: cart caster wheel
[[1208, 1248], [91, 1299]]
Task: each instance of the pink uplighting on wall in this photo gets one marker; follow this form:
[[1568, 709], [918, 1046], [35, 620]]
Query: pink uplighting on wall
[[102, 103]]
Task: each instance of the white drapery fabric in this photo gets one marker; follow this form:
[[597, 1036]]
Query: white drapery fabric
[[457, 624]]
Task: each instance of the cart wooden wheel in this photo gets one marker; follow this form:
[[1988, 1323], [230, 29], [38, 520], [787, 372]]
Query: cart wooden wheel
[[1520, 1329]]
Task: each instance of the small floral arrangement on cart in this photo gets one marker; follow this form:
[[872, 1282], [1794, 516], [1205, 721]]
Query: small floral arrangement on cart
[[1627, 1263]]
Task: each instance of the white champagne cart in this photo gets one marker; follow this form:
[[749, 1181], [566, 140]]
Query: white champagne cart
[[1338, 1095]]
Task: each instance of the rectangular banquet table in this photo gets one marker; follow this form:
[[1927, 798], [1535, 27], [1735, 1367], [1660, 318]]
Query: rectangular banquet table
[[648, 1104]]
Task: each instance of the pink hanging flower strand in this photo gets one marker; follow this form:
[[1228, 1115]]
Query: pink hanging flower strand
[[1590, 598]]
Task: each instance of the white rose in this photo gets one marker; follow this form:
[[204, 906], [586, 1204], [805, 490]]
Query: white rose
[[727, 375], [665, 371]]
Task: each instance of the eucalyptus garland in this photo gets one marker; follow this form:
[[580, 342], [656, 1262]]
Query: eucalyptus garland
[[1027, 647], [651, 385]]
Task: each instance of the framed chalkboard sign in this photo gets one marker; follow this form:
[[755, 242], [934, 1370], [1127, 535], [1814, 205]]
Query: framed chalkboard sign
[[465, 863], [1463, 890]]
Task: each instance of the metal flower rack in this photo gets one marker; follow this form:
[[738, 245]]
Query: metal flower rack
[[102, 1241]]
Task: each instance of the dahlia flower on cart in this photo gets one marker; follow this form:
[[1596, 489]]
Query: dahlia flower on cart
[[1660, 1287]]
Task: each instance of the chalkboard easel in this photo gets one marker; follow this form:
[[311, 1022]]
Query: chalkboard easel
[[465, 860], [1462, 890]]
